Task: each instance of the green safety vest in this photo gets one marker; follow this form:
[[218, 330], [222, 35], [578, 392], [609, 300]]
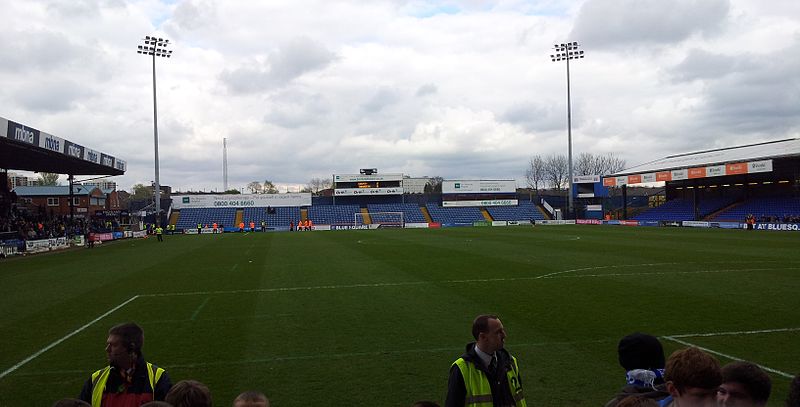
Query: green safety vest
[[479, 393], [159, 231], [100, 377]]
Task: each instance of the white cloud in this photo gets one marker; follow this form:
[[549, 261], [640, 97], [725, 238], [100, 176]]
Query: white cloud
[[458, 89]]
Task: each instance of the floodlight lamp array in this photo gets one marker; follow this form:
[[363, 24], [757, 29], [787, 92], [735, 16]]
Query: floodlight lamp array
[[565, 51], [155, 46]]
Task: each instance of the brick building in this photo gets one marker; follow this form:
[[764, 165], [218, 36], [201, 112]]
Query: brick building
[[55, 200]]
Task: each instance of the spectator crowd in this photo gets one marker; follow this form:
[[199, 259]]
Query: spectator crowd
[[27, 226]]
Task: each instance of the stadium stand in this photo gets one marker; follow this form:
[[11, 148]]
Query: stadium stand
[[777, 208], [455, 214], [682, 209], [411, 211], [190, 217], [333, 214], [526, 210], [281, 217]]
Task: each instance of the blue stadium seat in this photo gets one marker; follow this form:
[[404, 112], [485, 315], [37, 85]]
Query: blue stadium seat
[[467, 214], [526, 210], [680, 209], [281, 218], [411, 211], [190, 217], [762, 206], [333, 214]]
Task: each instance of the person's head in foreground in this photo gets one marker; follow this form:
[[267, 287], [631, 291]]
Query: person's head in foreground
[[744, 384], [251, 399], [189, 393], [692, 378]]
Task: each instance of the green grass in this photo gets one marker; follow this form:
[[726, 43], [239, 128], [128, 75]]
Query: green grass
[[375, 318]]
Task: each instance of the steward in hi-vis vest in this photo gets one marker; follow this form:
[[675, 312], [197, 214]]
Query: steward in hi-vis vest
[[128, 380], [486, 375]]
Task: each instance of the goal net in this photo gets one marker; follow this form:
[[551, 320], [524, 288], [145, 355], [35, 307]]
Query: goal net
[[384, 219]]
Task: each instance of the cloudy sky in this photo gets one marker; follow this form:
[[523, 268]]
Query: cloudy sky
[[305, 89]]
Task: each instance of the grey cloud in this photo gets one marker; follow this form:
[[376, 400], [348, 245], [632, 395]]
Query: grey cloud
[[426, 89], [701, 64], [533, 117], [191, 15], [617, 23], [51, 95], [41, 50], [763, 98], [298, 57], [293, 110], [383, 98]]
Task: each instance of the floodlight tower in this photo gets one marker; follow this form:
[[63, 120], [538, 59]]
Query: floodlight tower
[[566, 52], [224, 164], [155, 47]]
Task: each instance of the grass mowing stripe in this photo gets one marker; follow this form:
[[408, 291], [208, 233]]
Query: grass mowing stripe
[[768, 369], [64, 338]]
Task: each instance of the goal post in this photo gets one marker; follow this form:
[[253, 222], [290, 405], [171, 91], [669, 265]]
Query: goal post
[[384, 219]]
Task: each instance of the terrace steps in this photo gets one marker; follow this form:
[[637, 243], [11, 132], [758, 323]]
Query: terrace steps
[[426, 214], [366, 217], [486, 214]]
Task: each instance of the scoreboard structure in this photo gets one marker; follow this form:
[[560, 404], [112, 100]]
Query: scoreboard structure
[[363, 184]]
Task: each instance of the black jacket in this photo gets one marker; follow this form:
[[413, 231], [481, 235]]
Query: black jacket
[[501, 391]]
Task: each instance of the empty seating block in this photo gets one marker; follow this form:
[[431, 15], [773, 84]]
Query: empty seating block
[[190, 217], [682, 209], [763, 206], [333, 214], [411, 211], [281, 217], [455, 214], [524, 211]]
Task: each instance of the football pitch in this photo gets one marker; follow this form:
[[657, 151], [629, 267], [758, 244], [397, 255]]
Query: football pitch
[[375, 318]]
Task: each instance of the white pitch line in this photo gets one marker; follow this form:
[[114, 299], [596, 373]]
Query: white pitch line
[[730, 333], [197, 311], [724, 355], [466, 281], [604, 267], [64, 338], [671, 272]]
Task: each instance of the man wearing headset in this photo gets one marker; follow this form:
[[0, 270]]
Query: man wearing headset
[[128, 380]]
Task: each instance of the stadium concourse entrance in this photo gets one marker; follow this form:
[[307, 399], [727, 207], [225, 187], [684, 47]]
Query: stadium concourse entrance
[[723, 184], [28, 149]]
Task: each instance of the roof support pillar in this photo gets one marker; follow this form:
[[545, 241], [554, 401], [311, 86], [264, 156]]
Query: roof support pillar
[[71, 179]]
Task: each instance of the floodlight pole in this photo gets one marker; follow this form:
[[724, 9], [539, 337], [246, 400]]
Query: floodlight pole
[[566, 52], [155, 47]]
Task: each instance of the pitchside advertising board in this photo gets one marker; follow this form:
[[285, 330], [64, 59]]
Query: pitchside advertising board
[[373, 184], [28, 135], [479, 193], [241, 201]]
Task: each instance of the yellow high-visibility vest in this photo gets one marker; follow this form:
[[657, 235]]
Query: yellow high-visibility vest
[[479, 393], [100, 377]]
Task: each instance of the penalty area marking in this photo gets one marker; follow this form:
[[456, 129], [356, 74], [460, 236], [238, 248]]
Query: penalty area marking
[[731, 357], [64, 338]]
